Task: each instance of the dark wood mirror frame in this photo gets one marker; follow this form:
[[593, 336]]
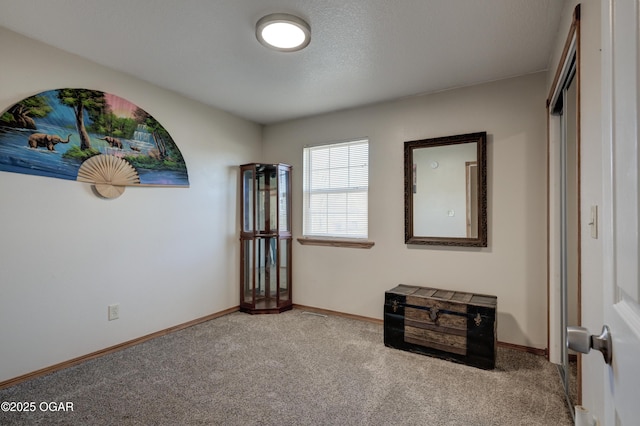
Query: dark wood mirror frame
[[479, 240]]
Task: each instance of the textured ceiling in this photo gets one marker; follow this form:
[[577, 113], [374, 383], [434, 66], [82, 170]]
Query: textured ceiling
[[361, 51]]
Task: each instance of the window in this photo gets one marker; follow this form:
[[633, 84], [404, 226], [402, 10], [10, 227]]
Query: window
[[336, 183]]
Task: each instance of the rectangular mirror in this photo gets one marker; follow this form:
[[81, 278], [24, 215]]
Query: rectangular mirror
[[445, 190]]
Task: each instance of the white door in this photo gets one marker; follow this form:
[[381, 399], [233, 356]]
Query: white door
[[621, 213]]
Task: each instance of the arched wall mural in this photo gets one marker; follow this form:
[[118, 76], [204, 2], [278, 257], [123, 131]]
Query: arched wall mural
[[89, 136]]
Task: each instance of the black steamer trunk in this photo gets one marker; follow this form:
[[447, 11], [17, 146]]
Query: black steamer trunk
[[452, 325]]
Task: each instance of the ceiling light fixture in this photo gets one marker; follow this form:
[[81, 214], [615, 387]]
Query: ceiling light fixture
[[283, 32]]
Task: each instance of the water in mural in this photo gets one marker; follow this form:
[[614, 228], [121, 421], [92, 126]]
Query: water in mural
[[52, 133]]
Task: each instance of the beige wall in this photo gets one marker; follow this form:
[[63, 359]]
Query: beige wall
[[166, 255], [513, 266]]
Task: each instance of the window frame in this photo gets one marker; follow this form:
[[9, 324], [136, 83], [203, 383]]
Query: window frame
[[342, 240]]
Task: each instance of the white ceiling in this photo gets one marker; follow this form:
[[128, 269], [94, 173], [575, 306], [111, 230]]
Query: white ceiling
[[361, 51]]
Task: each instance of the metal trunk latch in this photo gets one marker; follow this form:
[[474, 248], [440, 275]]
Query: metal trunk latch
[[478, 320], [433, 314]]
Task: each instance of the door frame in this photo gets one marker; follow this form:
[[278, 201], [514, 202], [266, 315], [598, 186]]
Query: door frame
[[554, 299]]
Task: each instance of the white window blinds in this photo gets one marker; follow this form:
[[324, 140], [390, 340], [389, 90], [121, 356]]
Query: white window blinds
[[336, 182]]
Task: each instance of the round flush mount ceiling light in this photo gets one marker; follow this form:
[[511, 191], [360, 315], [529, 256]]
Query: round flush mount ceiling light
[[283, 32]]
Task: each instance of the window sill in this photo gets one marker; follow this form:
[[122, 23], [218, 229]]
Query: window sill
[[336, 242]]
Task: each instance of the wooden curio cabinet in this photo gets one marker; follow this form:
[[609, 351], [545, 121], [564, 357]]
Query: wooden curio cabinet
[[265, 238]]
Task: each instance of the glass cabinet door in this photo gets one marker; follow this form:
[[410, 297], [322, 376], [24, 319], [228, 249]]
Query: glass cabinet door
[[247, 200], [284, 263], [272, 204], [283, 200], [262, 202], [247, 271]]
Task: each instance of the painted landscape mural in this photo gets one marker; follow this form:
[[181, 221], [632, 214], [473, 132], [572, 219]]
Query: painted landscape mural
[[54, 132]]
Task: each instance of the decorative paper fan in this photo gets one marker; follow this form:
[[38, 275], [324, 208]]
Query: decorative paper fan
[[109, 173], [54, 133]]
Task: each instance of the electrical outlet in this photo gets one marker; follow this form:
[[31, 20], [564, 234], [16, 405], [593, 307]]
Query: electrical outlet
[[114, 312]]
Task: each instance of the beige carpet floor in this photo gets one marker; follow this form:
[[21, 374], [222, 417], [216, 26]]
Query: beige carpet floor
[[291, 369]]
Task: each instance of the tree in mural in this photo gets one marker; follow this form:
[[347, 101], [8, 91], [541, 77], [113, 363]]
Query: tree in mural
[[109, 123], [21, 115], [93, 101]]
